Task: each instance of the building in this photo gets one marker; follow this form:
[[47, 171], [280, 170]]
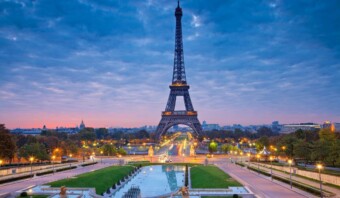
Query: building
[[336, 127], [32, 131], [290, 128], [82, 125], [210, 127], [276, 127]]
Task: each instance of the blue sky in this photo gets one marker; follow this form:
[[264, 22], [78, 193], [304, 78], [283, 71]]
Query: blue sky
[[110, 62]]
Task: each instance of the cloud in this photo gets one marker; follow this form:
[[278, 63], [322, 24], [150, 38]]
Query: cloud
[[110, 62]]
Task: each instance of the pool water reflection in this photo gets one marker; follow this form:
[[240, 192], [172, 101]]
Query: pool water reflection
[[155, 180]]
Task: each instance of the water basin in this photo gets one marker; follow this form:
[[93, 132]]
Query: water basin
[[155, 180]]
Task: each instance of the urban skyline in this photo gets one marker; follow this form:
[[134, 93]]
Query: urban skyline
[[107, 66]]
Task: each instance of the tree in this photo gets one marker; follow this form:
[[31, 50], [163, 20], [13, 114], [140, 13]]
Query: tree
[[225, 148], [101, 133], [326, 149], [7, 144], [212, 147], [302, 150], [262, 142], [109, 150], [87, 134], [122, 151], [265, 131], [36, 150]]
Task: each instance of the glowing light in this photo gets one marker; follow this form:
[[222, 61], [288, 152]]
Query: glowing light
[[319, 166]]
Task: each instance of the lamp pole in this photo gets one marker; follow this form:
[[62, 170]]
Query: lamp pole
[[271, 167], [31, 160], [290, 172], [248, 160], [319, 167], [258, 163], [101, 157], [53, 158]]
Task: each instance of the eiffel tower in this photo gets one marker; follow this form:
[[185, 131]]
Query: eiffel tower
[[179, 87]]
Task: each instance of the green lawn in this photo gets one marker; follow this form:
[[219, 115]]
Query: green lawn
[[210, 177], [100, 179]]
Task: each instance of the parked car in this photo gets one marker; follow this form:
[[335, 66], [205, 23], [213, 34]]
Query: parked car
[[66, 159]]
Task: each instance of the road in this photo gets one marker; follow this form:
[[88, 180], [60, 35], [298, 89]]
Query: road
[[259, 185]]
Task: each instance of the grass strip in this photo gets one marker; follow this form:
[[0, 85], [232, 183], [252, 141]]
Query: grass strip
[[101, 179], [210, 177]]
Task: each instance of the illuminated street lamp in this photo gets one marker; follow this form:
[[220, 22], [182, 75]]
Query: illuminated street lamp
[[271, 167], [1, 163], [101, 158], [248, 154], [53, 158], [319, 167], [290, 172], [258, 163], [31, 160]]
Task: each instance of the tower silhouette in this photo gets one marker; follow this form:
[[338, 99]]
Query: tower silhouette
[[179, 87]]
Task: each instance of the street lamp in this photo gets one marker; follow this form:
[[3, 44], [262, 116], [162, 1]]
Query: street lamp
[[290, 172], [1, 163], [319, 167], [31, 160], [101, 157], [248, 160], [271, 167], [53, 158], [258, 163]]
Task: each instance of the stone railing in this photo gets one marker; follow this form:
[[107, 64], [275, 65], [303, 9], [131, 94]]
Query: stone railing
[[332, 179]]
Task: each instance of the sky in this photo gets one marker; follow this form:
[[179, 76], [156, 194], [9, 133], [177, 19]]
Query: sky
[[110, 62]]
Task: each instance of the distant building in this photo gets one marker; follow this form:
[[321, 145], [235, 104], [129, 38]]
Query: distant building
[[336, 127], [209, 127], [276, 127], [26, 131], [82, 125], [290, 128], [67, 130]]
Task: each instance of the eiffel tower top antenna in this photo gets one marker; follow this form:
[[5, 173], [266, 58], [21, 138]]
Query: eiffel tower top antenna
[[179, 76]]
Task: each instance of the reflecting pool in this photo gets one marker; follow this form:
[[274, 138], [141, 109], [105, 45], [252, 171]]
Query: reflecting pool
[[155, 180]]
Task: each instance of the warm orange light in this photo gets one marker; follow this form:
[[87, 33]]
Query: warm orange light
[[53, 157], [101, 152], [283, 147], [290, 161], [1, 162], [319, 166], [248, 154], [271, 158], [31, 159]]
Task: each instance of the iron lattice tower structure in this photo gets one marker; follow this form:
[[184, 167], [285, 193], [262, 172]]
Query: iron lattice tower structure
[[179, 87]]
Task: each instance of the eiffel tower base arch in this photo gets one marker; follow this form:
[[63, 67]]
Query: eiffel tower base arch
[[168, 121]]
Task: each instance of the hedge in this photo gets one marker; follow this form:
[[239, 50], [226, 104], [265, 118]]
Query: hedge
[[92, 163], [15, 179]]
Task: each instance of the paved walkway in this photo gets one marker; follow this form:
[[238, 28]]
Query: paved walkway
[[22, 184], [300, 179], [262, 187]]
